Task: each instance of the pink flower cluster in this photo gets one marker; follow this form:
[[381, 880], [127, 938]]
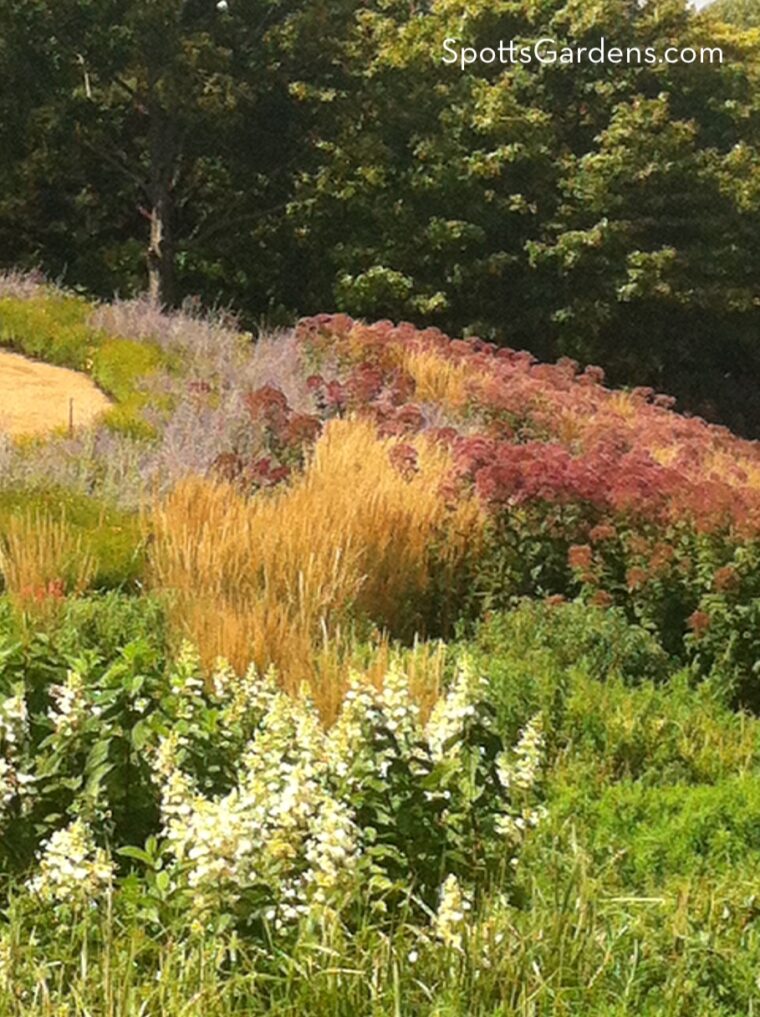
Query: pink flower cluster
[[530, 433], [283, 436]]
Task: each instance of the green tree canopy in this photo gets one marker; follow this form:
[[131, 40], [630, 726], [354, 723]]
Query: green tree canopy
[[606, 212], [159, 129], [745, 13]]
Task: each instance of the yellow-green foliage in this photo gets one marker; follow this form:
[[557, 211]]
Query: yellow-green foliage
[[55, 328], [118, 366], [51, 328], [109, 538]]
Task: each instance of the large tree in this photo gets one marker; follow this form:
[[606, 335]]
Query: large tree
[[744, 13], [610, 212], [171, 120]]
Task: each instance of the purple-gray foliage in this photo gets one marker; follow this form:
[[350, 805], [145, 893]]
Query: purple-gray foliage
[[93, 462], [211, 347], [22, 285], [201, 336], [202, 427], [217, 366]]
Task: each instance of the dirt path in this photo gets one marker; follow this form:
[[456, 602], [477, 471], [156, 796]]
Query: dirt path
[[34, 397]]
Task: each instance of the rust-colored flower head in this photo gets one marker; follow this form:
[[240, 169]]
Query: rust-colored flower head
[[268, 405], [602, 532], [635, 577], [404, 459], [726, 579], [698, 622], [302, 429], [228, 466], [580, 557]]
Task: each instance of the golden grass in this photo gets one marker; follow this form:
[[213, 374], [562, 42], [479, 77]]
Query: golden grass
[[569, 428], [623, 404], [335, 660], [278, 578], [728, 466], [41, 559], [664, 454], [437, 380]]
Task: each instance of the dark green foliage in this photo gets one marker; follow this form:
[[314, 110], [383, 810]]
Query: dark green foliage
[[115, 645], [602, 212], [107, 622], [605, 212]]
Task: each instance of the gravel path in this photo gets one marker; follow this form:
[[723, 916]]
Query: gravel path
[[35, 397]]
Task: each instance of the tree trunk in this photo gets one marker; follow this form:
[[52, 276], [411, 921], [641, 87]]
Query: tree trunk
[[164, 155], [161, 280]]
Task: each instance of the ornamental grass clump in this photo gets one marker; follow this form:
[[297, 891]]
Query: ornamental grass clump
[[274, 577], [42, 559]]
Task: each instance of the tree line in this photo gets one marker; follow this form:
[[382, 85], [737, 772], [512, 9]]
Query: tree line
[[295, 156]]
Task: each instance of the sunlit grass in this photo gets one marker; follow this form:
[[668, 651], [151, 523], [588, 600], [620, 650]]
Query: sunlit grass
[[275, 578]]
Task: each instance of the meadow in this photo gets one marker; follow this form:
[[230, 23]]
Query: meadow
[[358, 669]]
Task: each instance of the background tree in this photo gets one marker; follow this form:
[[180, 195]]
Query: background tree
[[744, 13], [294, 157], [606, 212], [171, 121]]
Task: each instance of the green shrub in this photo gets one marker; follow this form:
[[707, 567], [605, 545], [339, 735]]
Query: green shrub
[[697, 593], [678, 830], [529, 652], [232, 790], [724, 641], [104, 623], [673, 733]]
